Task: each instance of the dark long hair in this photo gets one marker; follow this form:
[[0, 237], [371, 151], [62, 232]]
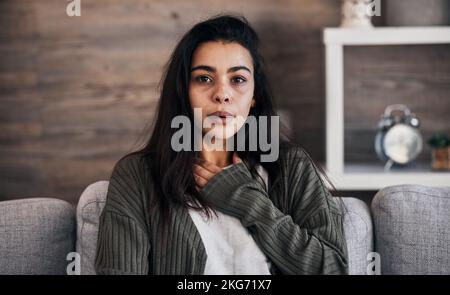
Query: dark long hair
[[171, 172]]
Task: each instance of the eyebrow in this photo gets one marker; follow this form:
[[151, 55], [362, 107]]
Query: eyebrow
[[213, 70]]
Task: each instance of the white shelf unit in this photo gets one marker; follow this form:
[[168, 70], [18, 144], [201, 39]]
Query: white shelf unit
[[368, 177]]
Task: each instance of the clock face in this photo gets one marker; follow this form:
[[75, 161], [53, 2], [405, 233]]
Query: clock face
[[402, 143]]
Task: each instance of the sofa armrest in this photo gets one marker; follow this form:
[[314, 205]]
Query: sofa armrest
[[412, 229], [36, 234], [358, 234]]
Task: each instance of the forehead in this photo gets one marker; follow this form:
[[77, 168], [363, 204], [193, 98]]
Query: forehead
[[222, 55]]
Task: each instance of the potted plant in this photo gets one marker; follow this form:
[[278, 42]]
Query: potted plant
[[440, 151]]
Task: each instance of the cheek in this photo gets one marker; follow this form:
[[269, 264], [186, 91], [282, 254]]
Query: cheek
[[245, 103], [198, 101], [194, 97]]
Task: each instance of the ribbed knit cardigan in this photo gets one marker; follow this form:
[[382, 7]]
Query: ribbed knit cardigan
[[300, 230]]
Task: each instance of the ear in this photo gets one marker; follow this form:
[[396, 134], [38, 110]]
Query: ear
[[253, 103]]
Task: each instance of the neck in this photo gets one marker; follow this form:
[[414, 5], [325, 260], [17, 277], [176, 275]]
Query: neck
[[218, 158]]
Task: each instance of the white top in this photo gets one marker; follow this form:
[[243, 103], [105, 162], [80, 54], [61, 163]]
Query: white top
[[230, 248]]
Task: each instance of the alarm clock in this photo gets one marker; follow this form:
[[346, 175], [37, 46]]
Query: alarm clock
[[398, 139]]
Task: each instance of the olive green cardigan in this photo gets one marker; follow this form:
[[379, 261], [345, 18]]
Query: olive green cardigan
[[306, 237]]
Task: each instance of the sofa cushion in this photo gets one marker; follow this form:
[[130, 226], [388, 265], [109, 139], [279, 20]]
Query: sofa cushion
[[90, 206], [35, 236], [358, 234], [412, 229]]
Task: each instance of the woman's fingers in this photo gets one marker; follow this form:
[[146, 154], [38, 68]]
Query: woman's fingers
[[236, 159], [209, 166], [203, 172], [200, 181]]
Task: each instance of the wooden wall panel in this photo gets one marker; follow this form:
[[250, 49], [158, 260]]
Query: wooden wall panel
[[77, 92]]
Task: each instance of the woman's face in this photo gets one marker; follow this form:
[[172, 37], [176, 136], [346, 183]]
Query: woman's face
[[222, 86]]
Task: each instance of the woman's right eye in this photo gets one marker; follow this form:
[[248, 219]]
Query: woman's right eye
[[203, 79]]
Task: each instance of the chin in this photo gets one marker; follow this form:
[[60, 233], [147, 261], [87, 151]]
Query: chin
[[220, 133]]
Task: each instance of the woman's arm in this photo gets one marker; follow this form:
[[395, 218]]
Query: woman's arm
[[123, 245], [309, 240]]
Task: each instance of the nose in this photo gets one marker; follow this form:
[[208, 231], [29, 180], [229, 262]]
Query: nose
[[221, 95], [222, 98]]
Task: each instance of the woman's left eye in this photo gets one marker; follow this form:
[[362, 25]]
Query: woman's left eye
[[238, 80]]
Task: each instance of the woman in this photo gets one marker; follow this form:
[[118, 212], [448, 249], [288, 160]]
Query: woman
[[270, 217]]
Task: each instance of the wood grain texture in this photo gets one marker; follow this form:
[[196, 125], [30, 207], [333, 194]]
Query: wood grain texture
[[76, 93]]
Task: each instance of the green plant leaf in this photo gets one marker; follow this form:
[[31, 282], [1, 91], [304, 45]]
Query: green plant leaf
[[439, 140]]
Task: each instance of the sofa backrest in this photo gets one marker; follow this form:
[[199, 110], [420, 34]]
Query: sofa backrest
[[412, 229], [357, 223], [90, 206], [36, 235], [358, 234]]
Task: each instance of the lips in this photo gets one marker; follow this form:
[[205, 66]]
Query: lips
[[221, 117]]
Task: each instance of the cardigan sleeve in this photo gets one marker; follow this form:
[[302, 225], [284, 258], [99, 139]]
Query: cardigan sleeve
[[123, 245], [308, 240]]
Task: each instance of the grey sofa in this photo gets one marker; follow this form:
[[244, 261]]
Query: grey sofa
[[406, 231]]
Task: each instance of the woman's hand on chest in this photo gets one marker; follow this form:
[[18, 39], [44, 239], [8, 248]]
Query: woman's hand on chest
[[204, 171]]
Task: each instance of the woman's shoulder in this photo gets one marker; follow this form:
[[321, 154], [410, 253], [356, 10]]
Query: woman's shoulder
[[292, 155], [134, 161], [132, 169], [127, 190], [129, 175], [296, 164], [307, 176]]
